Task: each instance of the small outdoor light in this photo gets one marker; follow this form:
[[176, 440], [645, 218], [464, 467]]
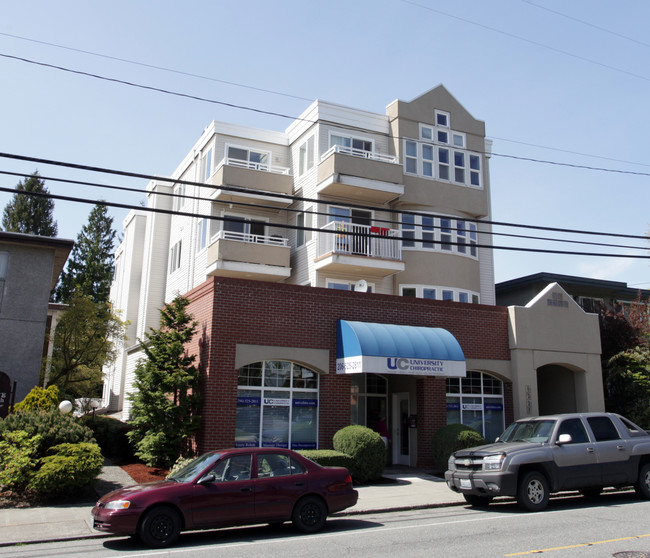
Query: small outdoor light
[[65, 407]]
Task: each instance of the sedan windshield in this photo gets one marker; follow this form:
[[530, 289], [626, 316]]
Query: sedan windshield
[[193, 468], [529, 431]]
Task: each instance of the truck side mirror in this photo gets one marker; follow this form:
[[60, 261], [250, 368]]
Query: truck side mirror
[[564, 439]]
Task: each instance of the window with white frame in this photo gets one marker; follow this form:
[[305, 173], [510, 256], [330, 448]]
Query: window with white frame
[[428, 232], [440, 154], [433, 292], [477, 401], [352, 145], [202, 234], [206, 164], [442, 118], [277, 405], [179, 197], [249, 158], [303, 219], [243, 228], [175, 256], [343, 285], [306, 156]]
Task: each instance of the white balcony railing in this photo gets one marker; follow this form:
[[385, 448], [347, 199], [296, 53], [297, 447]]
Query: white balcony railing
[[359, 240], [253, 166], [273, 240], [359, 153]]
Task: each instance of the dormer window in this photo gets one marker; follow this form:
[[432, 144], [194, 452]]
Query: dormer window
[[442, 119]]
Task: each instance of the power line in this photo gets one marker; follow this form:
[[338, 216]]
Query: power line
[[324, 213], [297, 118], [289, 95], [313, 229], [526, 40]]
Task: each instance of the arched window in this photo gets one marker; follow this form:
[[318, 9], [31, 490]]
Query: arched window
[[277, 406], [476, 401]]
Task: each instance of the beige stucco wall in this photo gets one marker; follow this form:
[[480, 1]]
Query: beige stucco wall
[[553, 329]]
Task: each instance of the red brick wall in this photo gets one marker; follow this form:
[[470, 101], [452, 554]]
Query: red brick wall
[[234, 311]]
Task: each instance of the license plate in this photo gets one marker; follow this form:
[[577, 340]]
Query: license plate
[[465, 483]]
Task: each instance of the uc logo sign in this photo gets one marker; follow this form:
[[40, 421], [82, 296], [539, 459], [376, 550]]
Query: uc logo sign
[[398, 363]]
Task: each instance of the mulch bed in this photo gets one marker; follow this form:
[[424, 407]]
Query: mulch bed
[[141, 474]]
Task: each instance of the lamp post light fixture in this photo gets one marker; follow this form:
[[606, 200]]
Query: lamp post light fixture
[[65, 407], [93, 405]]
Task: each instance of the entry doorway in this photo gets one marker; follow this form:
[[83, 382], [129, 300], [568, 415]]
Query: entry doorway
[[400, 429]]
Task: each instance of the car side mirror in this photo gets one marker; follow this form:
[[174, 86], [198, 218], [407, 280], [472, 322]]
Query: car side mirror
[[207, 479], [564, 439]]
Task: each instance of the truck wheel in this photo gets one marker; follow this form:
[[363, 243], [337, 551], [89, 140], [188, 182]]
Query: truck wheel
[[642, 485], [478, 501], [533, 492]]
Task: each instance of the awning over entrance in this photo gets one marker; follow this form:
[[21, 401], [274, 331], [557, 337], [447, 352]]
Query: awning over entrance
[[397, 349]]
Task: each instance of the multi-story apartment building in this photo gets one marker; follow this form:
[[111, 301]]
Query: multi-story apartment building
[[394, 204]]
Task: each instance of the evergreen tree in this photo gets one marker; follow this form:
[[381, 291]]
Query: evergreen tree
[[30, 214], [90, 268], [166, 404]]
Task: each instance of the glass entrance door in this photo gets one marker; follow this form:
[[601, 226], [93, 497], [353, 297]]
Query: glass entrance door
[[400, 429]]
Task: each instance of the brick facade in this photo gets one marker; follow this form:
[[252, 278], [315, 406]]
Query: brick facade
[[235, 311]]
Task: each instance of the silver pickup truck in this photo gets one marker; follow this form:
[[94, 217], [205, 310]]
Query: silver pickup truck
[[540, 455]]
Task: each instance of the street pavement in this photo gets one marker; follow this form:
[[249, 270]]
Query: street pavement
[[399, 489]]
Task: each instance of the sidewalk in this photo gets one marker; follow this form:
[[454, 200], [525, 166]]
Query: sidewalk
[[402, 489]]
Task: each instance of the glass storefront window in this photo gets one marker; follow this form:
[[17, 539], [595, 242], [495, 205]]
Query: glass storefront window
[[277, 406], [476, 401]]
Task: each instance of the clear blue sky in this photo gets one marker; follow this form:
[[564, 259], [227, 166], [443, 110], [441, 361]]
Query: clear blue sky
[[556, 81]]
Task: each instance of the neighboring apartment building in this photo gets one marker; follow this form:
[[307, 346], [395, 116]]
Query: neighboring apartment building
[[262, 230], [29, 269]]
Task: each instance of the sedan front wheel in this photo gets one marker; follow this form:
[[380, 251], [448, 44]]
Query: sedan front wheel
[[160, 527]]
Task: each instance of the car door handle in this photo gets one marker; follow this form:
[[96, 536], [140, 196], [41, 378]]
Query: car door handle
[[300, 484], [246, 489], [620, 448], [590, 450]]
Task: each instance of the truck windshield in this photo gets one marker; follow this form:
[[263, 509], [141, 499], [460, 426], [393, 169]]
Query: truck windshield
[[529, 431]]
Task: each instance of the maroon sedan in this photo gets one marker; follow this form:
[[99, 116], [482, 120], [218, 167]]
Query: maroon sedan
[[227, 488]]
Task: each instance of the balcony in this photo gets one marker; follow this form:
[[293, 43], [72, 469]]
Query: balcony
[[364, 176], [350, 248], [249, 256], [259, 183]]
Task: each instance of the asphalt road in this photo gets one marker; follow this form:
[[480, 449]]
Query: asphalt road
[[613, 525]]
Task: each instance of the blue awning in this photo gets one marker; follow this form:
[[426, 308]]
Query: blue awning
[[397, 349]]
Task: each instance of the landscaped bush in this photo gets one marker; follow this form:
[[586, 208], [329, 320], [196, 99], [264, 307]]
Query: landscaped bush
[[367, 450], [39, 398], [451, 438], [111, 435], [329, 458], [17, 461], [69, 468], [52, 426]]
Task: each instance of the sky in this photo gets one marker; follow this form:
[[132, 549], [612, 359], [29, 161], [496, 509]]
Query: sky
[[562, 87]]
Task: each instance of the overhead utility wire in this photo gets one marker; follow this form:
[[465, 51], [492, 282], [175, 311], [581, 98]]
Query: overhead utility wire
[[155, 67], [526, 40], [289, 95], [299, 198], [313, 229], [286, 116], [319, 213]]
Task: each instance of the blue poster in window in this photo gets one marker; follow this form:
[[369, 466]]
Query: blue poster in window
[[453, 406], [494, 406], [305, 402], [248, 401], [303, 445]]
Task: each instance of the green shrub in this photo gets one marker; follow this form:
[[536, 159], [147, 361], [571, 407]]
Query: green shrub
[[329, 458], [52, 426], [39, 398], [111, 435], [367, 450], [17, 460], [451, 438], [71, 467]]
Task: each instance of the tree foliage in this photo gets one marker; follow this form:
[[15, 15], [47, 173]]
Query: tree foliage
[[627, 385], [84, 341], [90, 267], [30, 214], [166, 402]]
